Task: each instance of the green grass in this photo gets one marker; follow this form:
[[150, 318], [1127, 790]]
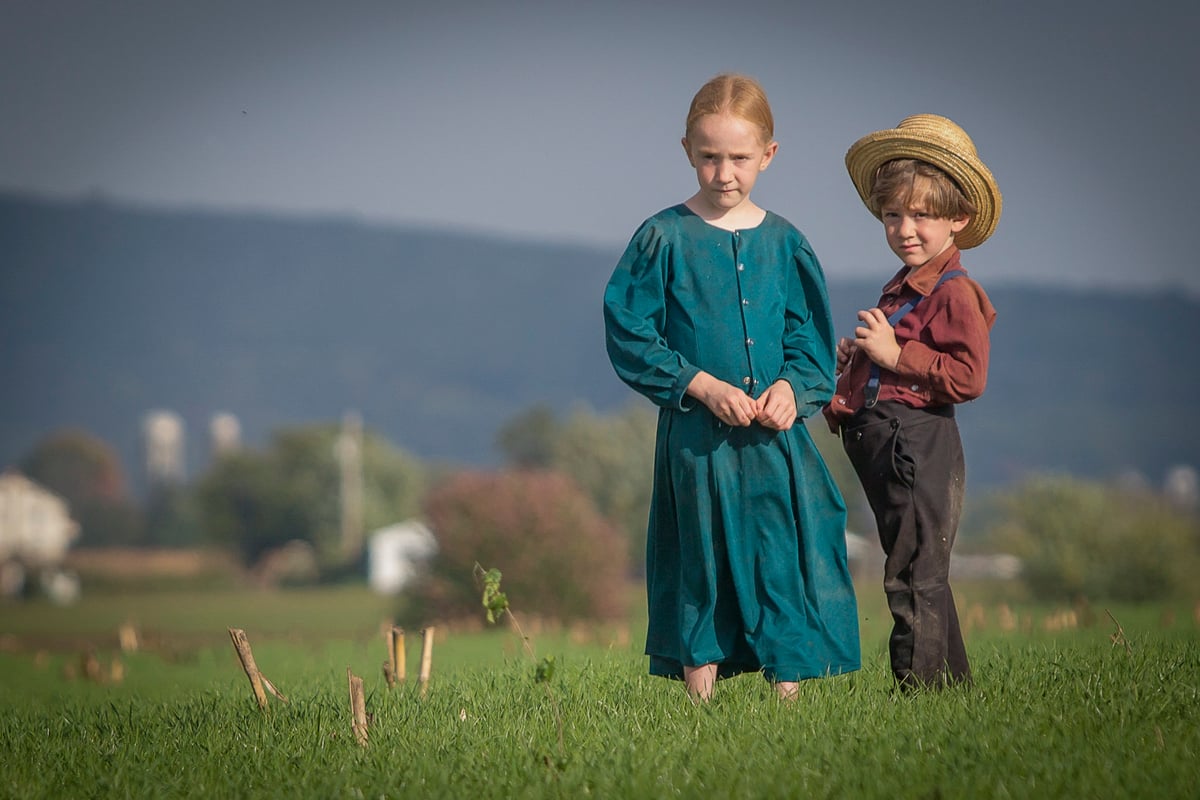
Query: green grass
[[1065, 713], [334, 611]]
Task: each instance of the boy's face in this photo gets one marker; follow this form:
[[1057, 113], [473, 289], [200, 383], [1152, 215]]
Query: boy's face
[[915, 234], [727, 153]]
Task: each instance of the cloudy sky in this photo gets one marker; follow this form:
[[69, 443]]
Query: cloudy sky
[[561, 121]]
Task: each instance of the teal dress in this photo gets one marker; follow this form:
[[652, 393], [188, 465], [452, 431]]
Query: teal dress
[[746, 555]]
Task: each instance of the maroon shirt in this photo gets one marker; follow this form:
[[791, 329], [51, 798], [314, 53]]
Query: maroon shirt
[[943, 342]]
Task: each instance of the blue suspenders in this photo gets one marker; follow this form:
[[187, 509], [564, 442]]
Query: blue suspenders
[[872, 390]]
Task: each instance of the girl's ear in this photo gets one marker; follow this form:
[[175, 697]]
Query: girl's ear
[[687, 150], [768, 154]]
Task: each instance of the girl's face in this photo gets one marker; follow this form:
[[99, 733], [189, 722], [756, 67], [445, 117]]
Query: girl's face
[[728, 153], [915, 234]]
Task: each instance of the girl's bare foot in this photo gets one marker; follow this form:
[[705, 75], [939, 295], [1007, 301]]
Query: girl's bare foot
[[700, 681]]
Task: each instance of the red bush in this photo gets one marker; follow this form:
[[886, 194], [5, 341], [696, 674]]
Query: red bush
[[560, 558]]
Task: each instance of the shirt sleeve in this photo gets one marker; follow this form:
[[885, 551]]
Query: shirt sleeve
[[952, 352], [634, 322], [808, 343]]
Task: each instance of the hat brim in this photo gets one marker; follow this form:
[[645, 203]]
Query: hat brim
[[868, 154]]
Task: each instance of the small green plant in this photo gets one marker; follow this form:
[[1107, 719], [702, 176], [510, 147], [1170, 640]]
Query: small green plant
[[496, 603], [494, 600], [545, 670]]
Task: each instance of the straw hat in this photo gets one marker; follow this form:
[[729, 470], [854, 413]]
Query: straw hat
[[944, 144]]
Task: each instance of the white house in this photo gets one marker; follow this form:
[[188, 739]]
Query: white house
[[35, 524], [35, 531], [395, 554]]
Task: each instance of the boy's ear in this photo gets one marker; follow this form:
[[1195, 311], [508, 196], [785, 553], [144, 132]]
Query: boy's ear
[[956, 225]]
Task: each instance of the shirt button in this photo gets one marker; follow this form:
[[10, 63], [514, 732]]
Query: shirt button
[[745, 302], [915, 388], [741, 267], [746, 381], [842, 401], [751, 341]]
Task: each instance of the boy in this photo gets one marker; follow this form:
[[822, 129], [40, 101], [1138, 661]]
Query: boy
[[920, 351]]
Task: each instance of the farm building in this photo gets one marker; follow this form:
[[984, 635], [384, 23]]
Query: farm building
[[36, 529], [395, 554], [35, 524]]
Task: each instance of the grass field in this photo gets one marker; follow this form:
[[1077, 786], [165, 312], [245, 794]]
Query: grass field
[[1057, 710]]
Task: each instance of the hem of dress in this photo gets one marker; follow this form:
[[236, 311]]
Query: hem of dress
[[664, 667]]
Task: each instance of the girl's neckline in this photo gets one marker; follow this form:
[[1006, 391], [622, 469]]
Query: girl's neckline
[[766, 214]]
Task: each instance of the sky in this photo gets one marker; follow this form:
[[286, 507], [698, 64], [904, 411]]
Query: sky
[[561, 121]]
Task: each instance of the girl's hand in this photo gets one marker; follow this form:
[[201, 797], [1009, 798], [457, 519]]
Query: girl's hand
[[777, 407], [845, 351], [877, 338], [730, 404]]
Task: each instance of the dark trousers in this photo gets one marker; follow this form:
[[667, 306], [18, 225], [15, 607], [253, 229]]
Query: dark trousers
[[910, 463]]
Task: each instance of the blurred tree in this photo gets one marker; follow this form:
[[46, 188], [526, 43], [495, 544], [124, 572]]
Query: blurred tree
[[86, 472], [528, 439], [560, 557], [171, 518], [1086, 540], [611, 458], [78, 466], [257, 501], [241, 505]]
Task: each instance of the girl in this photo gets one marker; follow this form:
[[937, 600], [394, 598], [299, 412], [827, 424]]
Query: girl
[[718, 313]]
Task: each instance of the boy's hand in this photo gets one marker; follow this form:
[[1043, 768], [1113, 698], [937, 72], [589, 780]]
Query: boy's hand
[[777, 407], [877, 338], [730, 404], [845, 351]]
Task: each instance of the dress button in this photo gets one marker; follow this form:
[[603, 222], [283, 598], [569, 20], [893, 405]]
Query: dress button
[[746, 381], [745, 302], [750, 341], [741, 267]]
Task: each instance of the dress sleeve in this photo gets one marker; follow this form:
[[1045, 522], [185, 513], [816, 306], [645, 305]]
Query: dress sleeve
[[808, 338], [634, 323]]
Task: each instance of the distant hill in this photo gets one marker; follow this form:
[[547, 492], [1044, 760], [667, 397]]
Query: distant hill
[[439, 337]]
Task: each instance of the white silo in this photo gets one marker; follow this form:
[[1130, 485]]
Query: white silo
[[225, 432], [163, 437]]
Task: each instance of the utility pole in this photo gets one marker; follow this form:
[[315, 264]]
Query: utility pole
[[348, 452]]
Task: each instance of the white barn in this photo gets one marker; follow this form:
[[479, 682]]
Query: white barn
[[395, 554], [35, 531], [35, 524]]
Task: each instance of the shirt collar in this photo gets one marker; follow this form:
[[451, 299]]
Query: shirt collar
[[924, 278]]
